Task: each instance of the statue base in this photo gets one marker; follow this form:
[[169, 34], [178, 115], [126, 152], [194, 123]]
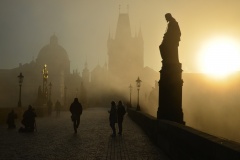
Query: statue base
[[170, 93]]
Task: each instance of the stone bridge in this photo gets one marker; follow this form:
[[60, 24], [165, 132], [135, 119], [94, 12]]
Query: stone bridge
[[55, 139], [181, 142]]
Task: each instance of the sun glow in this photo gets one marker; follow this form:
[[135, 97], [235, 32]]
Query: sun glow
[[219, 57]]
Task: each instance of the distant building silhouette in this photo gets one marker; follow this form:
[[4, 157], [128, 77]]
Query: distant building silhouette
[[125, 53], [98, 86], [58, 66], [55, 56]]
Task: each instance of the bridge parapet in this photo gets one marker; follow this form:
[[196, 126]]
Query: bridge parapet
[[181, 142]]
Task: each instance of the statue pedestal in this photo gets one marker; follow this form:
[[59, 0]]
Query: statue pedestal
[[170, 93]]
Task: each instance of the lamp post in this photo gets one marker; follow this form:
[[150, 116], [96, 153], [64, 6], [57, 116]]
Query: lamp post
[[20, 80], [130, 88], [45, 78], [138, 81]]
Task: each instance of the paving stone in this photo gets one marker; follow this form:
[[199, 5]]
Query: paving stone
[[55, 139]]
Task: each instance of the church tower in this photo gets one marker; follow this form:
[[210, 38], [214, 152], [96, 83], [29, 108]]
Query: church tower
[[125, 53]]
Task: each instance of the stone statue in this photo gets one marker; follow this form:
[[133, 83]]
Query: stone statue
[[170, 83], [169, 46]]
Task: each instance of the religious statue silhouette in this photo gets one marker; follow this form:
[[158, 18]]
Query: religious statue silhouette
[[170, 83], [169, 45]]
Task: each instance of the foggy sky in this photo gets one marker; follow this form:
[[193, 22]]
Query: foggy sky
[[82, 27]]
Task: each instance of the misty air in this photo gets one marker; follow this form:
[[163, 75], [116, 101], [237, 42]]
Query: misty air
[[120, 79]]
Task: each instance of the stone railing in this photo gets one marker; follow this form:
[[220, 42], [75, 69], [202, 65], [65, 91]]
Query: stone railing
[[180, 142]]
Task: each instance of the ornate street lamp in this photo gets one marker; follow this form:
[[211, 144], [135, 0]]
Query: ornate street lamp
[[130, 88], [45, 78], [138, 82], [20, 81]]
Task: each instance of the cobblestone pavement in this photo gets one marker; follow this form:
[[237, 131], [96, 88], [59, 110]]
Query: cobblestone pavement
[[55, 139]]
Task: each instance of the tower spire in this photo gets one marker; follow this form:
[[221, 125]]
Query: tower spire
[[123, 27]]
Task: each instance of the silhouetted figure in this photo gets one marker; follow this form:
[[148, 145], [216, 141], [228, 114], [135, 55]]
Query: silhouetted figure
[[57, 108], [169, 46], [49, 105], [28, 120], [113, 117], [120, 114], [170, 83], [11, 119], [76, 110]]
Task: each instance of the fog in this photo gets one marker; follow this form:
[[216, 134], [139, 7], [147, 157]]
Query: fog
[[83, 29], [209, 105], [213, 105]]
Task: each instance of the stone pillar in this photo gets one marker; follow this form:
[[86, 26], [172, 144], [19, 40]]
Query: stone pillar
[[170, 93]]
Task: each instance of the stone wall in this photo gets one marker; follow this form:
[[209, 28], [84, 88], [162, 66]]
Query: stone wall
[[185, 143]]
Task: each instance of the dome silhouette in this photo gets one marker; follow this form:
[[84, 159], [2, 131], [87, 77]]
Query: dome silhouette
[[55, 56]]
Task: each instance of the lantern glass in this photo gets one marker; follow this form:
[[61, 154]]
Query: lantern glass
[[138, 81], [20, 78]]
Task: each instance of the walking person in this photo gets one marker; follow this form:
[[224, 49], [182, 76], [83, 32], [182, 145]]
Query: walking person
[[120, 114], [11, 119], [113, 118], [76, 111]]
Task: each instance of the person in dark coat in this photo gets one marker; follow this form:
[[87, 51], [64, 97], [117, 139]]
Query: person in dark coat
[[76, 110], [28, 120], [120, 114], [11, 119], [113, 117]]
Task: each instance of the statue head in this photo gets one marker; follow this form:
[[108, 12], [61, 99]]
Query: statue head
[[168, 17]]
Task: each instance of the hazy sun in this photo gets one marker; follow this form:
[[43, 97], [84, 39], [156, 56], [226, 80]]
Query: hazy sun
[[220, 57]]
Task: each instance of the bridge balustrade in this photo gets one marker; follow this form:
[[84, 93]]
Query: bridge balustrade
[[181, 142]]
